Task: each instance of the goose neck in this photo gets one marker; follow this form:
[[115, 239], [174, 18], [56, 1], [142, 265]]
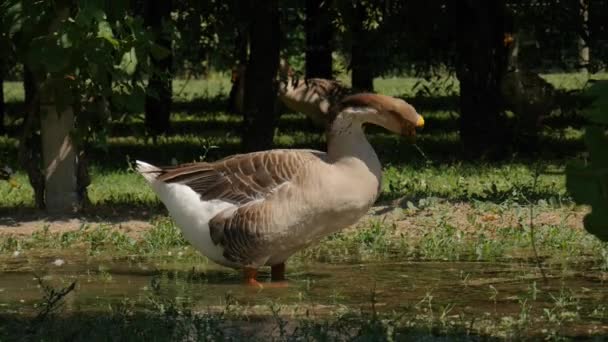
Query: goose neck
[[346, 140]]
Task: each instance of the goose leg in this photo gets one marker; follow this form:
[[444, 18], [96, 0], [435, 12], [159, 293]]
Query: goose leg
[[249, 275], [277, 272]]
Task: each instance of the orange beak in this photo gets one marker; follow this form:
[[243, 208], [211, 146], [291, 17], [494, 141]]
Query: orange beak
[[420, 122]]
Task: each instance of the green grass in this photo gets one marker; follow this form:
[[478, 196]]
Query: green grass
[[435, 237], [219, 84], [203, 130], [455, 182], [432, 169]]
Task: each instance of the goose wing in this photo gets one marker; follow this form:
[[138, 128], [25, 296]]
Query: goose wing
[[247, 230], [241, 178]]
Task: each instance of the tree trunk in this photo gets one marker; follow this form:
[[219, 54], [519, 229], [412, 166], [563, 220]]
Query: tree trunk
[[481, 66], [30, 145], [583, 40], [59, 157], [236, 97], [159, 91], [58, 150], [3, 69], [2, 107], [260, 93], [29, 86], [362, 77], [318, 39]]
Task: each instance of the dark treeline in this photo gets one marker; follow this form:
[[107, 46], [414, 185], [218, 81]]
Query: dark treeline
[[124, 54]]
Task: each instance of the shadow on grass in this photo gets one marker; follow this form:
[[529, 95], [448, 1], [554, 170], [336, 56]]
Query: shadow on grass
[[392, 149], [208, 124], [434, 103], [114, 212], [177, 324], [200, 105]]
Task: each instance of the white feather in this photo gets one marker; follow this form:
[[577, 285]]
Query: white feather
[[189, 212], [147, 170]]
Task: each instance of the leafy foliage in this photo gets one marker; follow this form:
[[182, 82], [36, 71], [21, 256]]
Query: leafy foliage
[[588, 181], [83, 55], [204, 34]]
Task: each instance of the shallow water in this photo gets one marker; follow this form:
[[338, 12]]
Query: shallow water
[[478, 286], [477, 289]]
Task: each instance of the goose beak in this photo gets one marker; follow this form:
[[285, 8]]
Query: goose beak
[[420, 122], [413, 124]]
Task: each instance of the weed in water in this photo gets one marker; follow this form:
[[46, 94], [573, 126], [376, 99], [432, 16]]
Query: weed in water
[[162, 236], [52, 300]]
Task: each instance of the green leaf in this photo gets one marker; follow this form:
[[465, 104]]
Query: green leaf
[[595, 223], [91, 11], [598, 111], [13, 19], [128, 62], [596, 141], [65, 41], [104, 30], [588, 183]]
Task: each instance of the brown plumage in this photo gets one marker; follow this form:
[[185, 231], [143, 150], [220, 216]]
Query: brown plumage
[[313, 97], [240, 180]]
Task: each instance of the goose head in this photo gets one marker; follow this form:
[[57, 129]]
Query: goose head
[[389, 112]]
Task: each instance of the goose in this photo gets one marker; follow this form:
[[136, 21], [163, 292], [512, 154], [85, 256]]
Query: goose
[[257, 209]]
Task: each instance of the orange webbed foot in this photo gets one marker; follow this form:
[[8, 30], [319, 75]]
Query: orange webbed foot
[[277, 277], [249, 277]]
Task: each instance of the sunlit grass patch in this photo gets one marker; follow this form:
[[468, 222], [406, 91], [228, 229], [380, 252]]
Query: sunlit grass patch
[[448, 243], [13, 91], [120, 188], [509, 182], [465, 182], [421, 231], [18, 195], [213, 86], [569, 81], [163, 235], [100, 239]]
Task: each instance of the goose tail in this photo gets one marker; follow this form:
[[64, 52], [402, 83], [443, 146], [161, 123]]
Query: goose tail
[[149, 171]]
